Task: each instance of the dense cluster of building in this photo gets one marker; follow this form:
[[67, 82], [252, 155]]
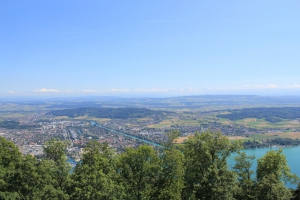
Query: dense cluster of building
[[118, 133]]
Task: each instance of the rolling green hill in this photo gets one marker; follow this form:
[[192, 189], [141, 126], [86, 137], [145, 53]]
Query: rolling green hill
[[107, 112], [269, 114]]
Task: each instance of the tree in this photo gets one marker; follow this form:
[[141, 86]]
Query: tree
[[26, 177], [171, 177], [274, 162], [207, 174], [94, 177], [55, 152], [28, 180], [48, 171], [139, 169], [10, 158], [246, 184], [296, 193], [55, 149], [171, 137], [272, 172], [269, 188]]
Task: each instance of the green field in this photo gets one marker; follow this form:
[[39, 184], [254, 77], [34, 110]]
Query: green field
[[272, 135], [170, 122], [11, 115], [261, 123], [241, 138]]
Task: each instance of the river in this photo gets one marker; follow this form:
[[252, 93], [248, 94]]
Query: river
[[128, 135]]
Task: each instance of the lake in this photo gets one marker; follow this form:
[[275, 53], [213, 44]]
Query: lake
[[292, 155]]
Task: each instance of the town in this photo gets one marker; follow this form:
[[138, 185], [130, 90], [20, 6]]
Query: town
[[40, 127]]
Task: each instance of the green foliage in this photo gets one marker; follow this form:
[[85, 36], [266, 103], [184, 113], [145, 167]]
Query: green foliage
[[196, 170], [27, 178], [171, 137], [296, 193], [10, 158], [207, 172], [270, 188], [95, 176], [60, 169], [55, 149], [270, 142], [274, 162], [272, 172], [49, 180], [139, 171], [170, 181], [15, 125], [245, 182]]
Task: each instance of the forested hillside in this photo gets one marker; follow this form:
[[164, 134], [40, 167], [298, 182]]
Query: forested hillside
[[269, 114], [107, 112], [14, 125], [198, 169]]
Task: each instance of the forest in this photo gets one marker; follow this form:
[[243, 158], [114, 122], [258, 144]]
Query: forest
[[197, 169], [250, 144], [15, 125], [269, 114], [106, 112]]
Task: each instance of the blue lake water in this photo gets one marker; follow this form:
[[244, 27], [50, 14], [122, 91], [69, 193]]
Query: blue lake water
[[292, 155], [71, 161]]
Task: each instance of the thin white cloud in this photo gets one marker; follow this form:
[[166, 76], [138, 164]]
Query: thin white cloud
[[90, 91], [187, 90], [46, 90], [257, 87], [295, 86], [272, 86], [154, 90], [119, 90], [11, 92]]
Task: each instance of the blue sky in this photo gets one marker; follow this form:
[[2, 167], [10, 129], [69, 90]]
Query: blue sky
[[149, 47]]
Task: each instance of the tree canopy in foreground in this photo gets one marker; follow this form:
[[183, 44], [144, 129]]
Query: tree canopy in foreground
[[197, 169]]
